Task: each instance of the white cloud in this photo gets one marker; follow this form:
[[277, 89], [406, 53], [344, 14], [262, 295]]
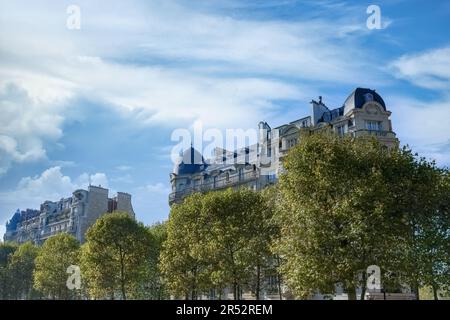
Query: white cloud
[[162, 62], [2, 231], [26, 123], [424, 126], [430, 69], [51, 184], [62, 163]]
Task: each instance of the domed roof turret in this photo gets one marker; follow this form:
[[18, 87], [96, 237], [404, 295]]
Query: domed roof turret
[[191, 161], [359, 97]]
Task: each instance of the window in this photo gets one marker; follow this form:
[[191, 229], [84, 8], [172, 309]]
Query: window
[[373, 125], [304, 123], [340, 131], [292, 142]]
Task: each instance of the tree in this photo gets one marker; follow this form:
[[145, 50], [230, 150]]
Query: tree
[[50, 275], [21, 269], [429, 218], [152, 286], [7, 249], [241, 233], [218, 240], [341, 212], [185, 274], [115, 256]]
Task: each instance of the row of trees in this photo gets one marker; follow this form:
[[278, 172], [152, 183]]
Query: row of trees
[[119, 260], [342, 205]]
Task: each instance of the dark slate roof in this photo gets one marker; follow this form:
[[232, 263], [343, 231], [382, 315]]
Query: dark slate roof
[[360, 96], [190, 162], [331, 115]]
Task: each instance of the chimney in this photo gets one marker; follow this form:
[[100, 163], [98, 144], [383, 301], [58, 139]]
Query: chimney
[[318, 109]]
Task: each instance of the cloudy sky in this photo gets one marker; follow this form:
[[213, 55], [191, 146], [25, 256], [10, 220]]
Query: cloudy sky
[[98, 105]]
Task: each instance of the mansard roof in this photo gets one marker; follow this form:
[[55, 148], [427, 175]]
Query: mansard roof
[[191, 161], [359, 97]]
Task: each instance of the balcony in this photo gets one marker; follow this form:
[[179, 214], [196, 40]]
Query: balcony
[[210, 184], [375, 133]]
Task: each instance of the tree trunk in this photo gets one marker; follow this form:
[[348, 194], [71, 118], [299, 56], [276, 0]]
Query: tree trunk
[[416, 289], [279, 277], [122, 275], [363, 293], [279, 287], [194, 287], [351, 292], [258, 280], [363, 288], [435, 292]]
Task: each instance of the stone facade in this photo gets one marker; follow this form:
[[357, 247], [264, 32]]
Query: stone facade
[[73, 215], [363, 113]]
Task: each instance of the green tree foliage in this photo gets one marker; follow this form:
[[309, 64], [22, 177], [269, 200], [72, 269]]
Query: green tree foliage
[[428, 205], [217, 240], [6, 281], [50, 274], [182, 270], [115, 256], [21, 267], [152, 286], [342, 211]]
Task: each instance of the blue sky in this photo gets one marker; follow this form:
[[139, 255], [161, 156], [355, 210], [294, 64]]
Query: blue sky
[[99, 104]]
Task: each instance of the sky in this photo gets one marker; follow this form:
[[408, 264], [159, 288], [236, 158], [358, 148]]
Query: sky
[[98, 104]]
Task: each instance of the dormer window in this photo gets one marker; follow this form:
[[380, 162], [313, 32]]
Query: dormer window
[[368, 97]]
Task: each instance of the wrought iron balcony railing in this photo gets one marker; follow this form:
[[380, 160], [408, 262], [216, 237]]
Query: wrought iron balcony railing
[[214, 184]]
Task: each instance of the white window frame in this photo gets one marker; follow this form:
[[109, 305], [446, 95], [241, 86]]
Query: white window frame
[[373, 125]]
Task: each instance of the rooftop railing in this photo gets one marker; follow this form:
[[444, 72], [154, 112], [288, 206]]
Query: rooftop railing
[[210, 183], [376, 133]]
